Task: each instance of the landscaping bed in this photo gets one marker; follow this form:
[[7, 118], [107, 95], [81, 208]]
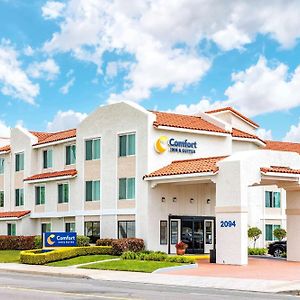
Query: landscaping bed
[[132, 265], [38, 257]]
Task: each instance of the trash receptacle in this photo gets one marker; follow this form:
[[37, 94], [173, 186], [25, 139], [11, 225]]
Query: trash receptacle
[[212, 256]]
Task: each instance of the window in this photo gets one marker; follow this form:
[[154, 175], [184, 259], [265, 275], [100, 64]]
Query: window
[[71, 155], [163, 232], [63, 193], [92, 190], [19, 161], [174, 232], [11, 229], [70, 227], [92, 230], [19, 197], [269, 234], [39, 195], [272, 199], [1, 165], [1, 198], [126, 229], [47, 159], [46, 227], [92, 149], [126, 188], [127, 144]]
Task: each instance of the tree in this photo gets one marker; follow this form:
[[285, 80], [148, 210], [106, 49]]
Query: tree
[[279, 233], [254, 234]]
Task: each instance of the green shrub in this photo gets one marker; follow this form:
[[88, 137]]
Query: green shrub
[[130, 244], [38, 242], [104, 242], [156, 256], [8, 242], [37, 257], [257, 251], [83, 241]]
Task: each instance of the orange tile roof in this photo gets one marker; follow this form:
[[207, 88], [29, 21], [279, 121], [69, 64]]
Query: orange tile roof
[[241, 134], [44, 137], [276, 169], [283, 146], [188, 166], [71, 172], [228, 108], [14, 214], [184, 121], [5, 148]]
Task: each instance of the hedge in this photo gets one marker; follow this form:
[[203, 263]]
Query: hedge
[[105, 242], [157, 256], [127, 244], [8, 242], [37, 257], [257, 251]]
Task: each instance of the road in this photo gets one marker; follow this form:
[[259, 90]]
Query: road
[[18, 286]]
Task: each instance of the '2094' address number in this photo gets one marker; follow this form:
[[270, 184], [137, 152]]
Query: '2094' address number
[[227, 223]]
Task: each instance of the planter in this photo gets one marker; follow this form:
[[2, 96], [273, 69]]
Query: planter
[[180, 251]]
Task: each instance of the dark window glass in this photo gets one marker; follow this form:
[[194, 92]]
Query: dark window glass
[[174, 232], [163, 232], [126, 229]]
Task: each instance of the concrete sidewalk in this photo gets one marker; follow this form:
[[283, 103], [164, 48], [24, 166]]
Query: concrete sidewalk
[[270, 286]]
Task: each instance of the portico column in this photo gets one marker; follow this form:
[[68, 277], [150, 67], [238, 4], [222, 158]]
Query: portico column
[[231, 214], [293, 225]]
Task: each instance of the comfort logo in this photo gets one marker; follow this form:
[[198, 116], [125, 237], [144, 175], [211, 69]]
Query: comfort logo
[[161, 144], [49, 239]]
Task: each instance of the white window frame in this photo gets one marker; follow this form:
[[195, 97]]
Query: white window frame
[[68, 183], [118, 143], [70, 145], [35, 186], [84, 145]]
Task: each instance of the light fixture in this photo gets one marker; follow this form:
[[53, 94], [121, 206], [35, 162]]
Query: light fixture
[[174, 199], [208, 201], [192, 200], [163, 199]]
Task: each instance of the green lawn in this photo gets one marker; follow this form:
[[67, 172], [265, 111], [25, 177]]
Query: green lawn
[[9, 256], [80, 260], [131, 265]]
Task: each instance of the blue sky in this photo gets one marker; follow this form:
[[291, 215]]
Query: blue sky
[[59, 60]]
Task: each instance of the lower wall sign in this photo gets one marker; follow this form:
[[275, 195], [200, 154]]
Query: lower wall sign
[[60, 239]]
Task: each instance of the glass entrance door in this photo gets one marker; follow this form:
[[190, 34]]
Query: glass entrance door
[[192, 235]]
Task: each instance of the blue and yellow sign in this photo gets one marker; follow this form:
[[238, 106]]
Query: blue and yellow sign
[[163, 143], [60, 239]]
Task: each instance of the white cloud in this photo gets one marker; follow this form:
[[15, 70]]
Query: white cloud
[[114, 67], [262, 88], [65, 88], [293, 135], [4, 130], [47, 69], [52, 9], [65, 120], [264, 134], [28, 51], [13, 80], [193, 109], [162, 37]]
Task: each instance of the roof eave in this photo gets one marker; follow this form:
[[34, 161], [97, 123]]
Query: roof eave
[[47, 144], [50, 179]]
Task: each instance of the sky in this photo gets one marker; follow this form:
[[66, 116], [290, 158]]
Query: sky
[[60, 60]]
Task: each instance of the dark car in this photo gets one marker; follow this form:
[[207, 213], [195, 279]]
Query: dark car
[[277, 248]]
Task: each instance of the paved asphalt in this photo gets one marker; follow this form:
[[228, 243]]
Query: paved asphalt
[[17, 286]]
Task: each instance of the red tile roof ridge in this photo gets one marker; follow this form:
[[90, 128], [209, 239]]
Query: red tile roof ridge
[[69, 172], [250, 135], [14, 214], [234, 111], [5, 148], [200, 158]]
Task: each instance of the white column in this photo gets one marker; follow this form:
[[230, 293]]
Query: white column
[[231, 215], [293, 225]]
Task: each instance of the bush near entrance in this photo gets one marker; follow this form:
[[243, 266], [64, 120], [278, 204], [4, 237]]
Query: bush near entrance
[[8, 242], [122, 245], [38, 257], [157, 256], [257, 251]]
